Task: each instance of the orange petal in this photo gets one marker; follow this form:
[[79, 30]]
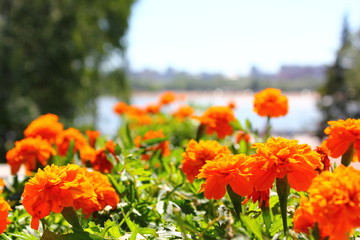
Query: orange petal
[[301, 177], [215, 187], [241, 186], [35, 223], [337, 147], [263, 180]]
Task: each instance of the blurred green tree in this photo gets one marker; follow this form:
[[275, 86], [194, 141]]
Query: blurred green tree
[[53, 56], [340, 94], [353, 75]]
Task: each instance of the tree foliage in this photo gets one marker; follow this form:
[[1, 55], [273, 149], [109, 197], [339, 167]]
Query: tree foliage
[[52, 56], [340, 94]]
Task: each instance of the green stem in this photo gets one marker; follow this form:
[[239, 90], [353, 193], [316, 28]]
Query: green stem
[[265, 211], [200, 132], [283, 190], [71, 217], [346, 159], [44, 223], [235, 199], [315, 232], [268, 128]]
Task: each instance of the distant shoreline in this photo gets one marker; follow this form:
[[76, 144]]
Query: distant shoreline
[[228, 94]]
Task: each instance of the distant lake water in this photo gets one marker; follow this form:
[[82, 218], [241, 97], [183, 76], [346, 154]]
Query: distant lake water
[[303, 115]]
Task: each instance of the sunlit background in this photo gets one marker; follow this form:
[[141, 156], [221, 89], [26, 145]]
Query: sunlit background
[[78, 59], [230, 37]]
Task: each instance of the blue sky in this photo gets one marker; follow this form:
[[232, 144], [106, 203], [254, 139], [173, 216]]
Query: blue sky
[[230, 36]]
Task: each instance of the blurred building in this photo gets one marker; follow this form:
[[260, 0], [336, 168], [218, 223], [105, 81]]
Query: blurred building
[[293, 72]]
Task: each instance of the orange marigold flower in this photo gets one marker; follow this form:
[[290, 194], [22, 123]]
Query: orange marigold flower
[[232, 104], [341, 135], [54, 188], [279, 157], [183, 112], [241, 135], [196, 154], [167, 97], [141, 119], [101, 162], [303, 217], [31, 152], [324, 153], [226, 170], [4, 212], [64, 138], [46, 126], [133, 110], [217, 120], [92, 136], [136, 114], [334, 199], [163, 146], [153, 108], [121, 108], [87, 153], [105, 194], [110, 147], [2, 185], [270, 103]]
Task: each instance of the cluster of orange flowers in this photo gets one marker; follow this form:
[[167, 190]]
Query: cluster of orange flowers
[[280, 157], [36, 148], [45, 137], [142, 116], [197, 154], [342, 135], [162, 146], [4, 212], [217, 120], [54, 188], [276, 158], [333, 203], [268, 103], [334, 198]]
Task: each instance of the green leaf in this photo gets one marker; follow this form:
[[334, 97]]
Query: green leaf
[[115, 232], [119, 187], [154, 141], [248, 124], [128, 135], [133, 235], [236, 125], [252, 226], [119, 167], [117, 149], [185, 205], [276, 225], [23, 236], [150, 231], [5, 237], [93, 227]]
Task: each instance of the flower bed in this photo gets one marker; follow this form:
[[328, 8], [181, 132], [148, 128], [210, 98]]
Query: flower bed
[[182, 175]]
